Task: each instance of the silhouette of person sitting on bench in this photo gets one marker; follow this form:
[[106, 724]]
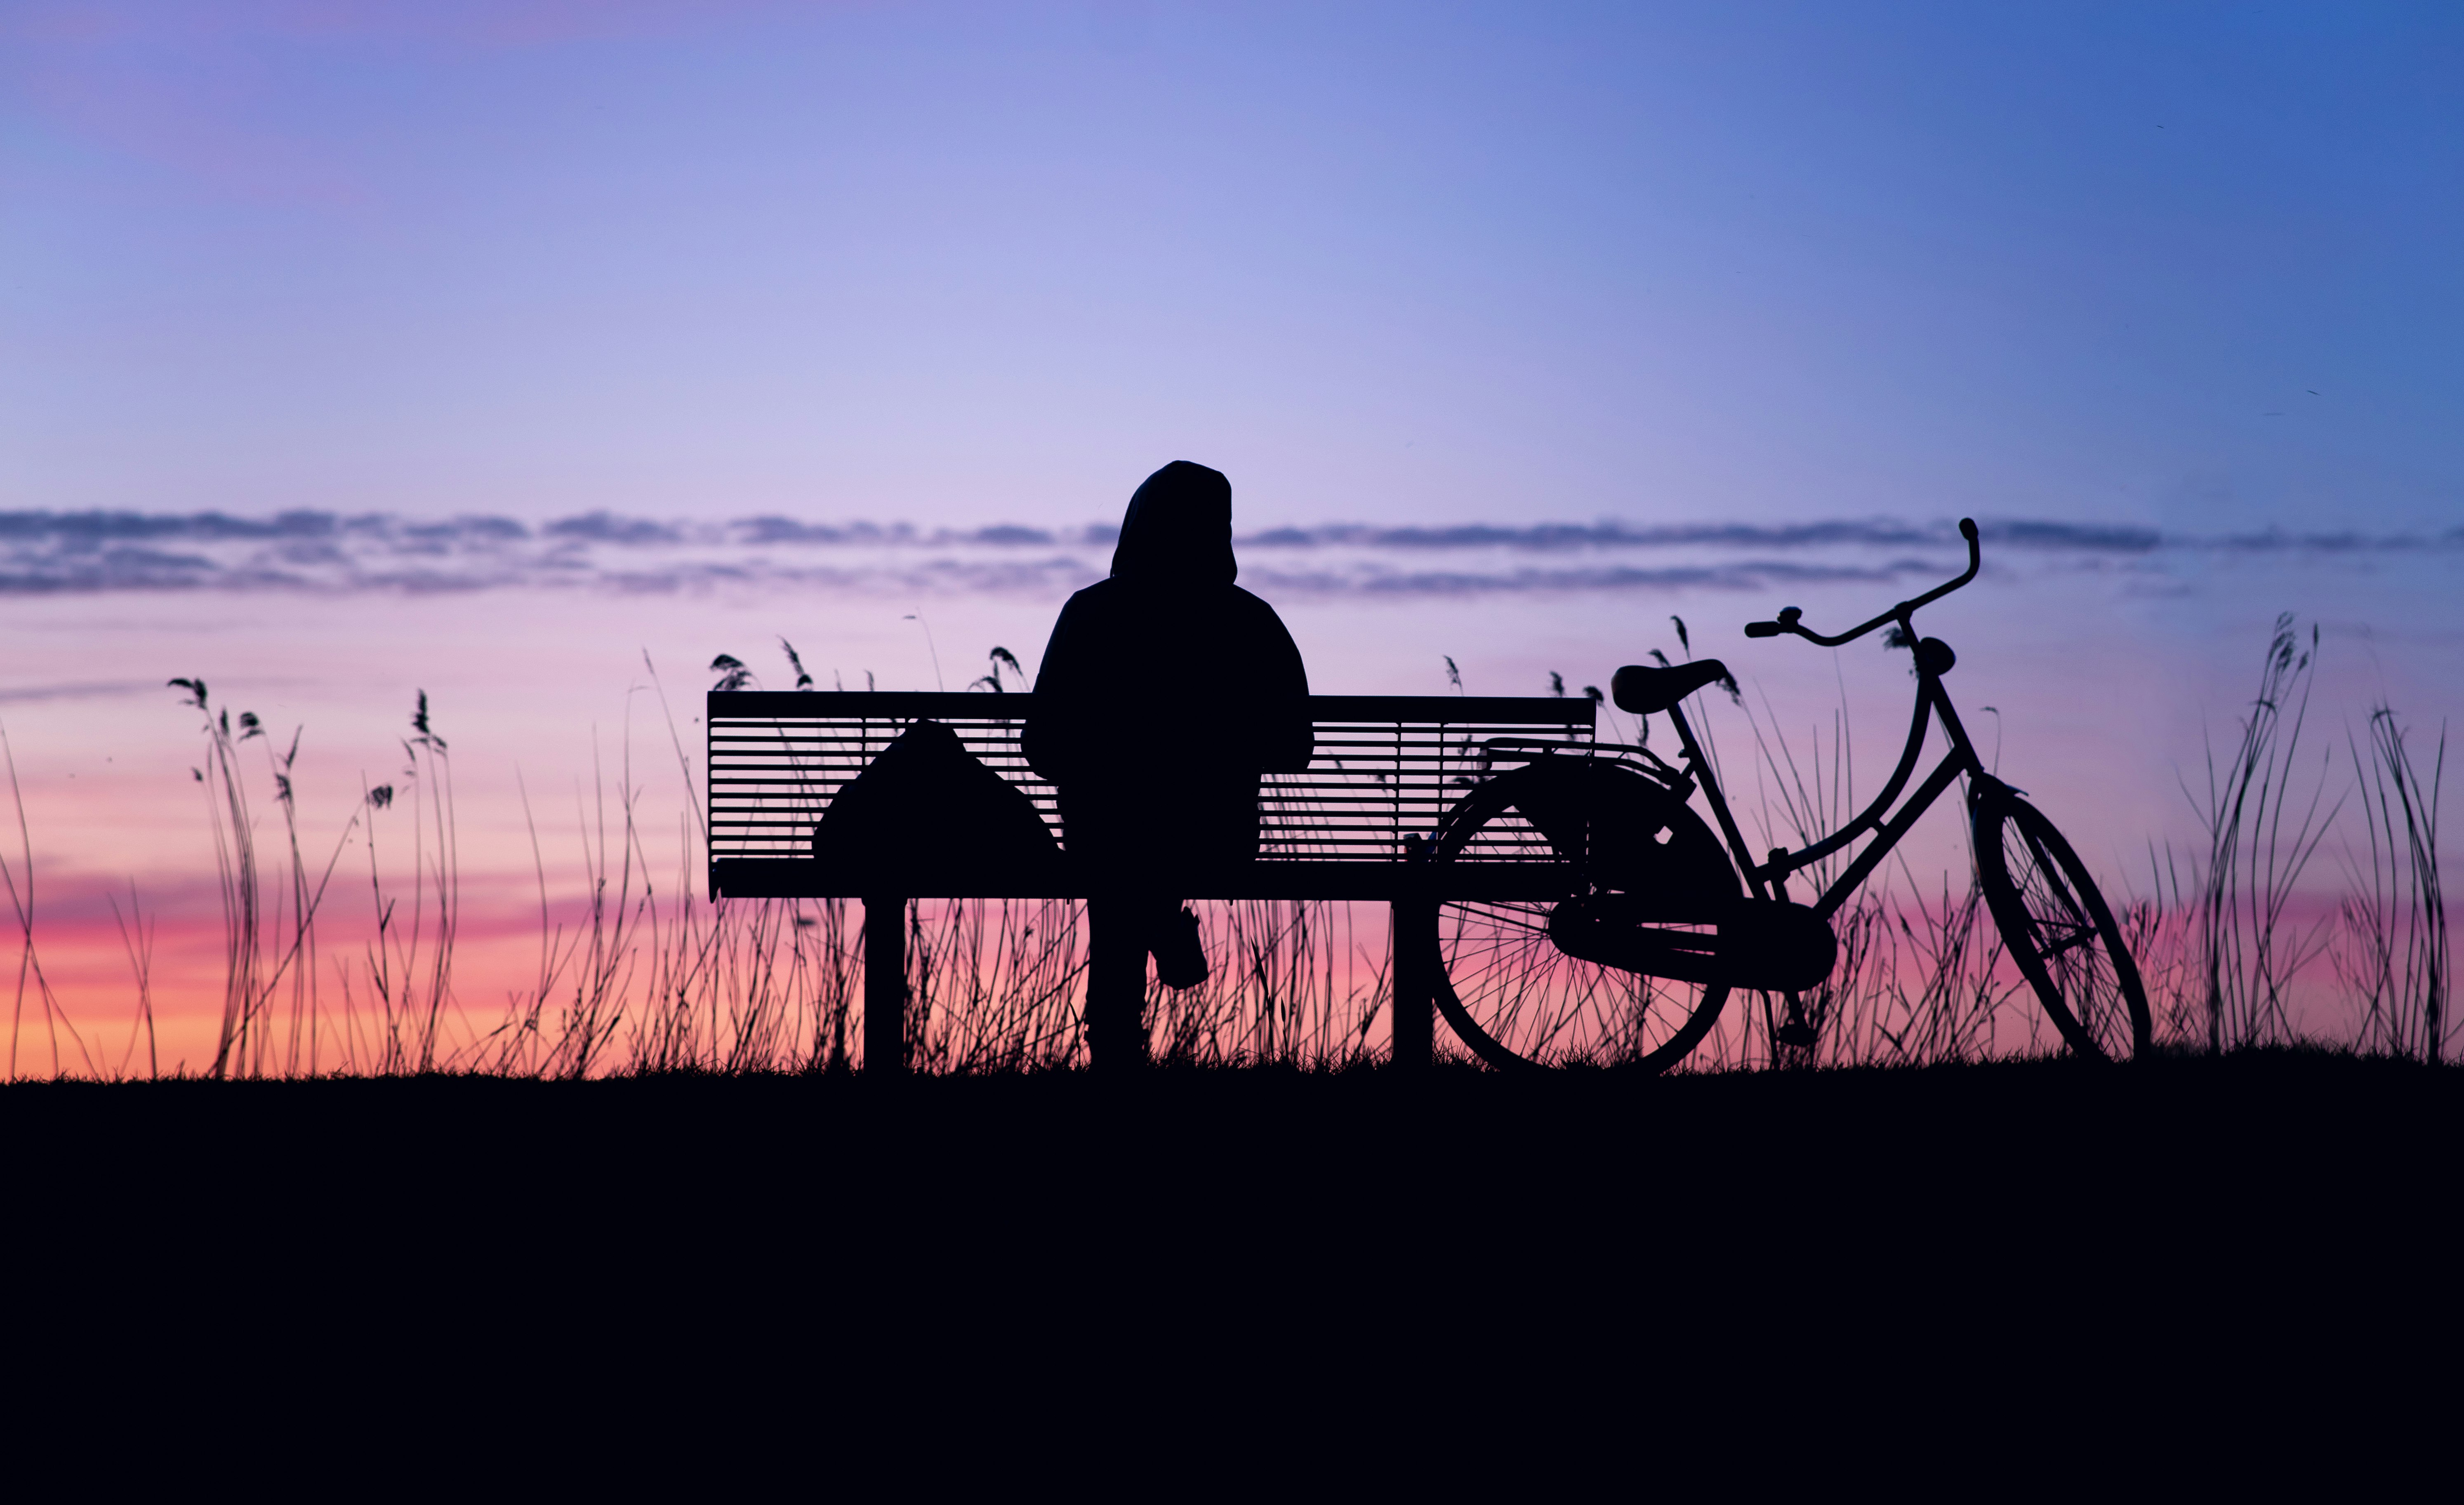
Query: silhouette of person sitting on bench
[[1165, 692]]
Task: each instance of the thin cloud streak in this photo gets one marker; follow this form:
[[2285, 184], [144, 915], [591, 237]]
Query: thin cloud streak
[[47, 552], [83, 689]]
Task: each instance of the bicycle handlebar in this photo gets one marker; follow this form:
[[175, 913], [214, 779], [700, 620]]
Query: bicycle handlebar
[[1788, 616]]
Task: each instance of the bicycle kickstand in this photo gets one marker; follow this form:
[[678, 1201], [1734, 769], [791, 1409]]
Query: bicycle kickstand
[[1795, 1033]]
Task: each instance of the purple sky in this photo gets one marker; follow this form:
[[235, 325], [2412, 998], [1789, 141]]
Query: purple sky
[[350, 350]]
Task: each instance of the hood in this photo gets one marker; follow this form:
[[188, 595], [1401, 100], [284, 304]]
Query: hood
[[1178, 529]]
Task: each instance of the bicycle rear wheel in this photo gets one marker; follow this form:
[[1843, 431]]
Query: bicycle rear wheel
[[1630, 849], [2059, 928]]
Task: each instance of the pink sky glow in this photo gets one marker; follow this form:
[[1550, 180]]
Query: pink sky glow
[[2101, 718]]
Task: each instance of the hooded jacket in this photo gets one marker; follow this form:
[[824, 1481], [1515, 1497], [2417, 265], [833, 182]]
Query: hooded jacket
[[1168, 686]]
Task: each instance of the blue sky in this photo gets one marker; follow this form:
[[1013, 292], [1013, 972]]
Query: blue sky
[[2185, 266]]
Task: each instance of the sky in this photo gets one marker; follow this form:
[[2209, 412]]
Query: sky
[[498, 350]]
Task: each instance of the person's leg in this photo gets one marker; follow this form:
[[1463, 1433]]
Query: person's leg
[[1116, 982]]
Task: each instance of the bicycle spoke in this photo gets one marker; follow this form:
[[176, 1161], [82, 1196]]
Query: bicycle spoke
[[1503, 966], [1546, 1005]]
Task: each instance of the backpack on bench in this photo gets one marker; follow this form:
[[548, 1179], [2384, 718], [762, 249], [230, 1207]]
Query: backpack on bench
[[925, 805]]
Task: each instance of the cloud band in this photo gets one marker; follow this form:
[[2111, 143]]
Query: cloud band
[[72, 551]]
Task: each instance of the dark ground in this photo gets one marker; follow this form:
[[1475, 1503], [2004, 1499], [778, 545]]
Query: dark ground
[[2279, 1220]]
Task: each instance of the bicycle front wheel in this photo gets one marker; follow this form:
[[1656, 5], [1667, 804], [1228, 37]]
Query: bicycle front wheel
[[2057, 928], [1504, 983]]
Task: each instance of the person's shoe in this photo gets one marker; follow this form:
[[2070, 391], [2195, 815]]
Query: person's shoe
[[1180, 962]]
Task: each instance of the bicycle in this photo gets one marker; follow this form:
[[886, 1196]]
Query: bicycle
[[1634, 956]]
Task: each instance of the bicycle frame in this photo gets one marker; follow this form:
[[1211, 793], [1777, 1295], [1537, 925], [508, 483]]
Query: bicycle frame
[[1768, 879]]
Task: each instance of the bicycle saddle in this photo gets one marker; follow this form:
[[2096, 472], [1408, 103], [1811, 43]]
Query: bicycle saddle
[[1643, 690]]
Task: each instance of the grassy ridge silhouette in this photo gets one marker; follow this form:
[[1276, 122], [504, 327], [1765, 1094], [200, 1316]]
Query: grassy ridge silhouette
[[647, 977]]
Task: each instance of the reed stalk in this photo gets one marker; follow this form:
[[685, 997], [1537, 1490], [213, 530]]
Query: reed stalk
[[2393, 954], [649, 975], [2262, 831]]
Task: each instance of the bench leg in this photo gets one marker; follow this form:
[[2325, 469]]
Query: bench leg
[[1412, 925], [885, 987]]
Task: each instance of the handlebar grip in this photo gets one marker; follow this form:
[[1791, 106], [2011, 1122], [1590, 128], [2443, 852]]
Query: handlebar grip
[[1968, 528], [1762, 629]]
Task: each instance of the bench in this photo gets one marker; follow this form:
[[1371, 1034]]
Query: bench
[[1385, 768]]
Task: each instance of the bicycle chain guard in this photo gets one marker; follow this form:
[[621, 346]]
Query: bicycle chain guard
[[1773, 946]]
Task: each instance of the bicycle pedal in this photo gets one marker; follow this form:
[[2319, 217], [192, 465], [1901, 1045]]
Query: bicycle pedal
[[1796, 1034]]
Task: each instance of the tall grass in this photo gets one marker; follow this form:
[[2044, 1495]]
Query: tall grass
[[410, 966], [259, 963], [637, 972], [2391, 948], [1922, 981], [2262, 831], [20, 882]]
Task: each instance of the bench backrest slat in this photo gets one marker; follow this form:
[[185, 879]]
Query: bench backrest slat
[[1386, 766]]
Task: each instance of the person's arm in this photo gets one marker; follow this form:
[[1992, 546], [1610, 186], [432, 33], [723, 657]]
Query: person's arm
[[1050, 739], [1060, 725], [1288, 736]]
